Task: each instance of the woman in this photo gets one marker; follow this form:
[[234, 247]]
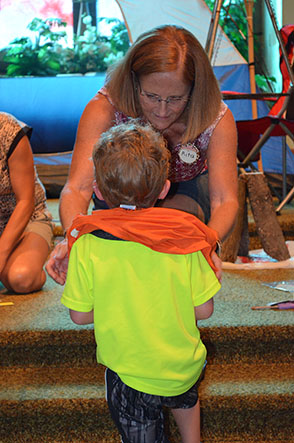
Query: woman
[[165, 79], [25, 223]]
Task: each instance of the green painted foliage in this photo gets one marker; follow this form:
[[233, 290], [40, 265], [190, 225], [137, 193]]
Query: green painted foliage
[[46, 53]]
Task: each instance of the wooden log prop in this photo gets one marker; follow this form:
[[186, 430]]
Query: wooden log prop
[[263, 210], [238, 241]]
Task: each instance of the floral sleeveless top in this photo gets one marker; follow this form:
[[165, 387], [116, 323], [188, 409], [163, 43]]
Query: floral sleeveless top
[[11, 132], [187, 160]]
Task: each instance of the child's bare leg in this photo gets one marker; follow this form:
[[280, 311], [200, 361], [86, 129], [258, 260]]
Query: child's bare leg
[[188, 421]]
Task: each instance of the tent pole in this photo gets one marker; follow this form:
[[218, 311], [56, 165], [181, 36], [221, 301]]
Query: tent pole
[[209, 46], [281, 42], [249, 12], [125, 21], [251, 61]]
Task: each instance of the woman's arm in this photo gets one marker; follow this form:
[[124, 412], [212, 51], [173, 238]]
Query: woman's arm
[[21, 172], [223, 183], [75, 198], [97, 117]]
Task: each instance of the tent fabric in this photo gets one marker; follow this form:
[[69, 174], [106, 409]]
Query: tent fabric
[[194, 15], [236, 78]]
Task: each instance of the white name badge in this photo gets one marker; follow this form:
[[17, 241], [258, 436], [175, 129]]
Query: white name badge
[[189, 154]]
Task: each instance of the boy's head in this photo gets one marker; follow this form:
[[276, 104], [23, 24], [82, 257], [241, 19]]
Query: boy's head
[[131, 164]]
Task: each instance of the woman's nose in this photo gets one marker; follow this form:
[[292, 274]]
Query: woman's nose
[[162, 106]]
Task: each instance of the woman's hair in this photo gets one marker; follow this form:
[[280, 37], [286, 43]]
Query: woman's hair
[[131, 164], [164, 49]]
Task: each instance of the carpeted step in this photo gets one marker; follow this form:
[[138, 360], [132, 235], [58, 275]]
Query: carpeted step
[[72, 348], [63, 420], [69, 348], [250, 343], [248, 402], [240, 403]]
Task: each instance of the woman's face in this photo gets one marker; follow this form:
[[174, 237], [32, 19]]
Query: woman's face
[[163, 96]]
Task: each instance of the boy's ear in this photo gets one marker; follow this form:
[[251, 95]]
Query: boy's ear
[[165, 190], [97, 191]]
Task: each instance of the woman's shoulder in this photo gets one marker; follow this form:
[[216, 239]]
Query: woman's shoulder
[[10, 125], [98, 109], [103, 92], [209, 130], [11, 131], [7, 120], [120, 117], [102, 102], [222, 110]]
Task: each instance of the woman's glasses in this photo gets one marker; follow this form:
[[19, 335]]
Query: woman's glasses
[[172, 101]]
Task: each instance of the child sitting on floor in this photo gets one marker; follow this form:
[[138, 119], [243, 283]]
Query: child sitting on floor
[[144, 276]]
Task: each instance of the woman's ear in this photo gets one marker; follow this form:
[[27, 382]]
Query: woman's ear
[[165, 190], [97, 191]]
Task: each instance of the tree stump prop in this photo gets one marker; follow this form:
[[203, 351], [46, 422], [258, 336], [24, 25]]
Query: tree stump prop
[[263, 210], [253, 186]]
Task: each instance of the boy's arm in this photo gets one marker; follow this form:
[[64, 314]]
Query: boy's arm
[[204, 311], [82, 318]]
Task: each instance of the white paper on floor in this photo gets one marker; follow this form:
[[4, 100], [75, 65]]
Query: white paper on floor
[[258, 259]]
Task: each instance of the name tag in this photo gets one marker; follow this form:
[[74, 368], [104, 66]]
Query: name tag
[[189, 154]]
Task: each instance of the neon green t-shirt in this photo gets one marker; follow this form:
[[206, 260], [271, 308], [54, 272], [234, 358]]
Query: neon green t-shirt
[[143, 303]]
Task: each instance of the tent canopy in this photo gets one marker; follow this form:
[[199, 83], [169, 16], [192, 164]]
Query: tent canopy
[[194, 15]]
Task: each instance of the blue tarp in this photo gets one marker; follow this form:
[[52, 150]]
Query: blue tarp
[[51, 105]]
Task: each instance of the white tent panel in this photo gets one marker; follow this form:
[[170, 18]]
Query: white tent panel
[[194, 15]]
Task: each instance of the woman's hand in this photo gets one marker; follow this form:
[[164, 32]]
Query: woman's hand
[[218, 264], [58, 262]]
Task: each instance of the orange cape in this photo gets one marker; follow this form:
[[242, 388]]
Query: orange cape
[[161, 229]]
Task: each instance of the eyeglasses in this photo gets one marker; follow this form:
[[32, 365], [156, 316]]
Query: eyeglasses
[[171, 101]]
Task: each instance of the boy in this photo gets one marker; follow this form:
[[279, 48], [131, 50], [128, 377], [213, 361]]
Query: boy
[[143, 275]]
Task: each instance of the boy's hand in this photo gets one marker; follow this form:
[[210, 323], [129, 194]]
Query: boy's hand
[[58, 262]]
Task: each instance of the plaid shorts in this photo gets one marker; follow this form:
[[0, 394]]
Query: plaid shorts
[[139, 416]]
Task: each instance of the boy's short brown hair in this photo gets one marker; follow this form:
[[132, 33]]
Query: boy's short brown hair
[[131, 163]]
